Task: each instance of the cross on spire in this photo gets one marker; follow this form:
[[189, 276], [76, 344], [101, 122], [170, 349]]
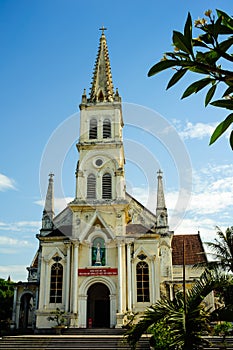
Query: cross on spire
[[103, 29], [159, 172]]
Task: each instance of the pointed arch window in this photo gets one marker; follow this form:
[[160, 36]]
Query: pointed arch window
[[93, 129], [101, 96], [56, 281], [142, 272], [107, 186], [91, 186], [106, 129]]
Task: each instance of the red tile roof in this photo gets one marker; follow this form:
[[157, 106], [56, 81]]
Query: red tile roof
[[194, 251]]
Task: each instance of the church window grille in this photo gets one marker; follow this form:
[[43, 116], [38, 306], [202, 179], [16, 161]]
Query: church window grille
[[143, 292], [93, 129], [106, 129], [56, 283], [91, 186], [107, 186]]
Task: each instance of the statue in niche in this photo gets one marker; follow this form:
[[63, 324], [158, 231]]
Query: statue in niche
[[98, 255], [98, 252]]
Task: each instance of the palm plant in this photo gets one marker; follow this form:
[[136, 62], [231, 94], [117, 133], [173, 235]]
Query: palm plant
[[187, 320], [222, 250]]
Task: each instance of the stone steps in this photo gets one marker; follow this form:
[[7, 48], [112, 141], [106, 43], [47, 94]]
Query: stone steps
[[63, 342]]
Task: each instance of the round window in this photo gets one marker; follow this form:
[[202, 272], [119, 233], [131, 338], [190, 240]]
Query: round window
[[98, 162]]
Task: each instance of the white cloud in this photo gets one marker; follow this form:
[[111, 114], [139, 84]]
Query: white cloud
[[21, 226], [16, 272], [6, 183], [9, 241], [194, 131], [59, 203], [210, 204]]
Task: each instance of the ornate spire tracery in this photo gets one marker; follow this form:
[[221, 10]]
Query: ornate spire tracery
[[102, 86]]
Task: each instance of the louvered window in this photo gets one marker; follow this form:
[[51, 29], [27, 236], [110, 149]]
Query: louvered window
[[107, 186], [143, 293], [56, 283], [93, 129], [91, 186], [106, 129]]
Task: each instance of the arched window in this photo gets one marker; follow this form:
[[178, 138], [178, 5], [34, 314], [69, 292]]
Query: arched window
[[98, 252], [143, 292], [56, 283], [93, 129], [91, 186], [106, 129], [107, 186]]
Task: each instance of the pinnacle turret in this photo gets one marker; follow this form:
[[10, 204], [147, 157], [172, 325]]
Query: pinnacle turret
[[48, 212], [161, 210]]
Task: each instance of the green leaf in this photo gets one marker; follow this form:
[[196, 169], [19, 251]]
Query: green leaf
[[210, 94], [207, 38], [196, 86], [162, 65], [188, 31], [231, 140], [228, 91], [221, 128], [225, 30], [197, 69], [227, 20], [181, 42], [177, 54], [225, 45], [211, 57], [216, 27], [199, 43], [228, 104], [176, 77]]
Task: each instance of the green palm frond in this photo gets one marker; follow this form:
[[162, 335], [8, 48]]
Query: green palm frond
[[221, 251], [186, 326]]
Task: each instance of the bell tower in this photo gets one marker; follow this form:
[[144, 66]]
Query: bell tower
[[100, 176]]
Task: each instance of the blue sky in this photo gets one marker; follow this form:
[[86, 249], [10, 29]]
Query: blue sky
[[48, 50]]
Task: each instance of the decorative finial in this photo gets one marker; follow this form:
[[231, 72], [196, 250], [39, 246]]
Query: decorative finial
[[160, 173], [103, 29], [51, 175]]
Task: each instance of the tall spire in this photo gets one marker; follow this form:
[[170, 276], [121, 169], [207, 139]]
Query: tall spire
[[102, 86], [48, 212], [161, 210]]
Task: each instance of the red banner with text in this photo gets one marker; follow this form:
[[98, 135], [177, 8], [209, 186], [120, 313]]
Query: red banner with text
[[97, 272]]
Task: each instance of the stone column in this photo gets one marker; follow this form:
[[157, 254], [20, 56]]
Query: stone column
[[120, 276], [153, 280], [171, 291], [45, 282], [67, 288], [129, 276], [14, 307], [157, 276], [134, 283], [75, 276]]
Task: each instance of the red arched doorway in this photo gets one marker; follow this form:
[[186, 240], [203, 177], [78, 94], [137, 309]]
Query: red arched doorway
[[98, 306]]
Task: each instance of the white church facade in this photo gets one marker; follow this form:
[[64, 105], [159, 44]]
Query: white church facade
[[105, 254]]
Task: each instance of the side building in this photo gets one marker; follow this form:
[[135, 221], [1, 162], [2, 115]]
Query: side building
[[105, 254]]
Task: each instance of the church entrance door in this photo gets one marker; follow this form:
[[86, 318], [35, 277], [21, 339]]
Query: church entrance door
[[98, 306]]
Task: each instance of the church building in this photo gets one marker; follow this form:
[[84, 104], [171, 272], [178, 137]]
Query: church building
[[105, 255]]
